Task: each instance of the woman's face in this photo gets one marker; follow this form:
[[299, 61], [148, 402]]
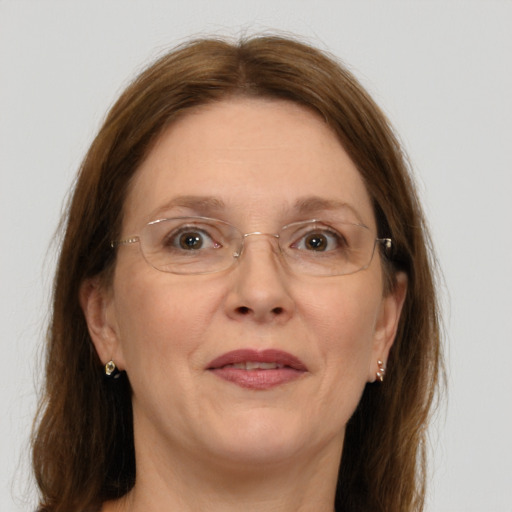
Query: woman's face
[[259, 165]]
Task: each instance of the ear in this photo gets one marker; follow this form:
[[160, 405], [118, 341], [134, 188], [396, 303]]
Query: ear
[[97, 303], [387, 323]]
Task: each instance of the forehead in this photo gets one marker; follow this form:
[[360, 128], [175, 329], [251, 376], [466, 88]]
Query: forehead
[[257, 158]]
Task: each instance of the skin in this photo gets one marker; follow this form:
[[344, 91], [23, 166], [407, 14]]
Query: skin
[[245, 449]]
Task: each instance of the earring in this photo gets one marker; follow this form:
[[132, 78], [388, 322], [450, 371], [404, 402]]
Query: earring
[[111, 370], [382, 370]]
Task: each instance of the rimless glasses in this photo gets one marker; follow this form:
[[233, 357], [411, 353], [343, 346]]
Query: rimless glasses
[[201, 245]]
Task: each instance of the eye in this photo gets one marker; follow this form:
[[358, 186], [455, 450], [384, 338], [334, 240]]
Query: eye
[[320, 240], [190, 238], [316, 242]]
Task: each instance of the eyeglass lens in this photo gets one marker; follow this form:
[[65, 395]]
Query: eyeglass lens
[[199, 245]]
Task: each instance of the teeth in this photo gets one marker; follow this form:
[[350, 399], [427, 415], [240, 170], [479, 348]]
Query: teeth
[[261, 366], [250, 365]]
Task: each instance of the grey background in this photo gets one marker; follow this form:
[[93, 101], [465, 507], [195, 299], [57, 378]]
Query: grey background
[[441, 69]]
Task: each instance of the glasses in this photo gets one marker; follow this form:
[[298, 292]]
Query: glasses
[[200, 245]]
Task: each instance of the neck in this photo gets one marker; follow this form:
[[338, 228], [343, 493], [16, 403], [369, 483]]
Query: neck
[[306, 485]]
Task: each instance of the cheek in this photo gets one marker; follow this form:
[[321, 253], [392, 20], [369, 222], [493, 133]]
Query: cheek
[[341, 319], [340, 324], [343, 311], [160, 320]]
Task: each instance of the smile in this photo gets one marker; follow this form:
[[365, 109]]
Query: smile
[[258, 370]]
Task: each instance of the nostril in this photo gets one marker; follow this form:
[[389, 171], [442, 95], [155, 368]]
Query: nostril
[[245, 311]]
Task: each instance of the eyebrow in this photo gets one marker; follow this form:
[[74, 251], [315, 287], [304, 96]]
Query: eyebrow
[[206, 205], [201, 204], [313, 204]]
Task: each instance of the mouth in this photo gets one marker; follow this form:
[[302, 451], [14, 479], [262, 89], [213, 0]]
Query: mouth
[[257, 370]]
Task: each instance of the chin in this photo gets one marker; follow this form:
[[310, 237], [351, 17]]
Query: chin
[[262, 437]]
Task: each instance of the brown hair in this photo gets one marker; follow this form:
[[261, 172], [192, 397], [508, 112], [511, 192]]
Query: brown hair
[[83, 450]]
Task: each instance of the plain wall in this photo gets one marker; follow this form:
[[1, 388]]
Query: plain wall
[[441, 70]]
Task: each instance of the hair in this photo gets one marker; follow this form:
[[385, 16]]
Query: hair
[[83, 448]]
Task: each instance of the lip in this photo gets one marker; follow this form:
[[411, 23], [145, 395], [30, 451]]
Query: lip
[[290, 368]]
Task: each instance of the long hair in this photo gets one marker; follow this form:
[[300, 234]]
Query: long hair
[[83, 451]]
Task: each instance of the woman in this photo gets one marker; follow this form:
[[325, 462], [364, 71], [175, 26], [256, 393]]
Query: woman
[[244, 312]]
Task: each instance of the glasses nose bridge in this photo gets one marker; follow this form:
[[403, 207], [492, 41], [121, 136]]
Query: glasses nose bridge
[[273, 237], [260, 233]]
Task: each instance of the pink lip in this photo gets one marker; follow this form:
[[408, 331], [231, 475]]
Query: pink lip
[[292, 369]]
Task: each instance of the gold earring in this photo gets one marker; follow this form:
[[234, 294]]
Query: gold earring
[[381, 371], [111, 370]]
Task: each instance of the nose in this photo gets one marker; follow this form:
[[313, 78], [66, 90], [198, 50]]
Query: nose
[[260, 289]]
